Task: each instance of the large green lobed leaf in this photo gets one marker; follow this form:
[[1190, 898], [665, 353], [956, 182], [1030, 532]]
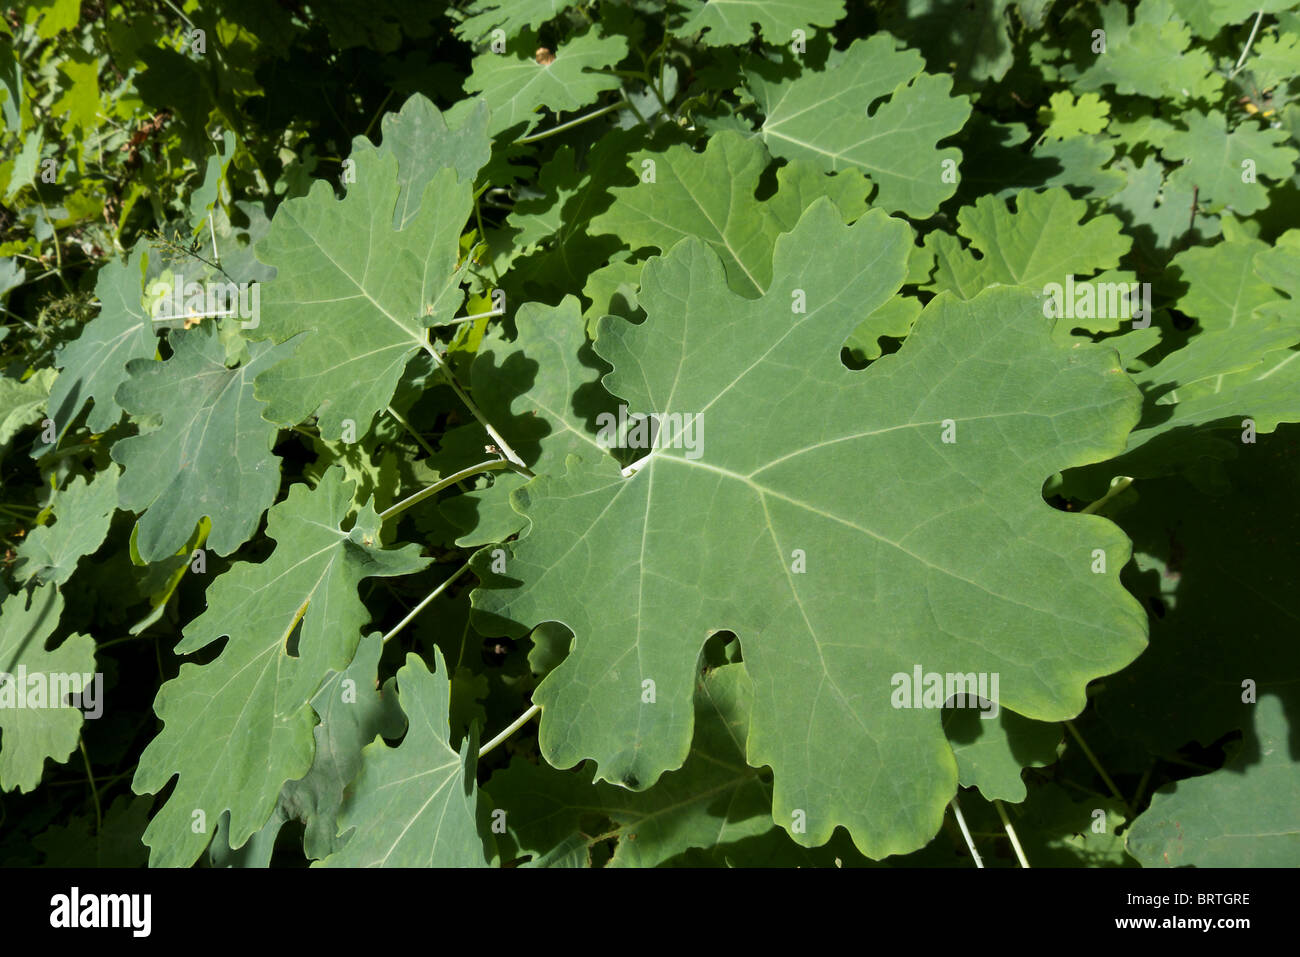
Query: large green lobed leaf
[[918, 552]]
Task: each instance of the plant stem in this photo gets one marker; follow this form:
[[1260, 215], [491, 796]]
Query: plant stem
[[636, 466], [1092, 759], [965, 831], [506, 450], [478, 315], [1241, 60], [212, 228], [1079, 787], [161, 240], [179, 13], [482, 234], [414, 434], [1142, 786], [379, 112], [571, 123], [515, 725], [423, 603], [441, 484], [1175, 759], [58, 252], [1011, 833], [94, 791], [100, 646], [1117, 485]]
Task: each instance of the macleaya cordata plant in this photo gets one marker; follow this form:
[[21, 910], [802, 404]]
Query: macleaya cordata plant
[[713, 437]]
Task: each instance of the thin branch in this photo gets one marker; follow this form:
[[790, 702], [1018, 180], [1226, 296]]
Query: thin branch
[[94, 791], [1241, 60], [515, 725], [179, 13], [159, 239], [379, 112], [1092, 759], [477, 315], [441, 484], [506, 450], [572, 123], [482, 235], [409, 428], [1141, 788], [396, 629], [1118, 485], [965, 831], [1011, 833]]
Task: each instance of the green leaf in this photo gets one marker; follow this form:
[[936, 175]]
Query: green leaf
[[970, 41], [996, 163], [724, 22], [357, 294], [415, 805], [1041, 242], [851, 470], [419, 137], [1218, 573], [1274, 60], [1066, 117], [22, 403], [352, 711], [541, 392], [823, 117], [210, 456], [289, 621], [1058, 830], [208, 197], [1246, 814], [158, 582], [1237, 11], [1240, 366], [30, 731], [715, 799], [711, 196], [1157, 211], [55, 16], [95, 364], [991, 752], [1217, 161], [1150, 57], [573, 195], [83, 511], [1223, 287], [510, 16], [516, 85], [116, 844]]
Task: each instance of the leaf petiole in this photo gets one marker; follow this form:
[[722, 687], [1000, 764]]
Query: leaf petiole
[[506, 450], [410, 616], [965, 831], [438, 486], [514, 726], [572, 123]]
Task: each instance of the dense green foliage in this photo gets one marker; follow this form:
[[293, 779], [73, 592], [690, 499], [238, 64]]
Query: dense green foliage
[[330, 330]]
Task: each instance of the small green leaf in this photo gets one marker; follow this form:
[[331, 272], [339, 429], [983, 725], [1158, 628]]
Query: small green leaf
[[823, 117], [211, 455], [82, 512], [33, 729], [414, 805], [1246, 814]]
